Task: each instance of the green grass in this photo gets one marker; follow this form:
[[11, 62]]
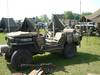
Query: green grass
[[86, 61], [2, 38]]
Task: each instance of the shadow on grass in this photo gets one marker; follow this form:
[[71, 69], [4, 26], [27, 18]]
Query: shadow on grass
[[26, 71], [61, 62]]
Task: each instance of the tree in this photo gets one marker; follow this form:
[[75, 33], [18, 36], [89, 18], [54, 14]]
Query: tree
[[68, 15], [86, 13], [44, 18], [76, 16]]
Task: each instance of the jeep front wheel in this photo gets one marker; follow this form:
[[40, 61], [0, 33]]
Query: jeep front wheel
[[20, 57]]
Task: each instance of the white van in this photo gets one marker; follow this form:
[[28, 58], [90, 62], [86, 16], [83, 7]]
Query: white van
[[85, 25]]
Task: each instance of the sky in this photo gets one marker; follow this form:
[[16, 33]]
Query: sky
[[19, 9]]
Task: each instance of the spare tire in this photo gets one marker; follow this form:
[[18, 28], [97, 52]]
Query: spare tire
[[20, 57], [70, 50]]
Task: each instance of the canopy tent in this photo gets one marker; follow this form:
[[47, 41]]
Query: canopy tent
[[95, 17], [58, 24], [8, 24], [28, 25]]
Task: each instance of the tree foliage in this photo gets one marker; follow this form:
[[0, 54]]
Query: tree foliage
[[44, 18], [76, 16], [86, 13], [68, 15]]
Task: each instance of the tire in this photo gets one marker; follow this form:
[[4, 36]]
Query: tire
[[70, 50], [20, 57]]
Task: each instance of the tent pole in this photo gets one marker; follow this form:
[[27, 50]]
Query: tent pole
[[80, 18], [8, 16]]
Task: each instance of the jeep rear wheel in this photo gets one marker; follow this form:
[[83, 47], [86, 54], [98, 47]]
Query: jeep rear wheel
[[20, 57], [70, 50]]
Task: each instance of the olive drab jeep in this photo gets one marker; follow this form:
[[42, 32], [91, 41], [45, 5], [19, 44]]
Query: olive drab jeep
[[29, 41], [23, 45]]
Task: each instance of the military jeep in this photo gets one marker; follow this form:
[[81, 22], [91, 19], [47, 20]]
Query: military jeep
[[23, 45]]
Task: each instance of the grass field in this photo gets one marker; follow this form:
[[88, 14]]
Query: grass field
[[86, 61], [2, 38]]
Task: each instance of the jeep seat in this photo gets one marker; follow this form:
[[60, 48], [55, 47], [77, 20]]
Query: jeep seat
[[56, 38]]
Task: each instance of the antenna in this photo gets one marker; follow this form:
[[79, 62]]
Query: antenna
[[8, 16], [80, 17], [53, 26], [83, 22], [80, 7]]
